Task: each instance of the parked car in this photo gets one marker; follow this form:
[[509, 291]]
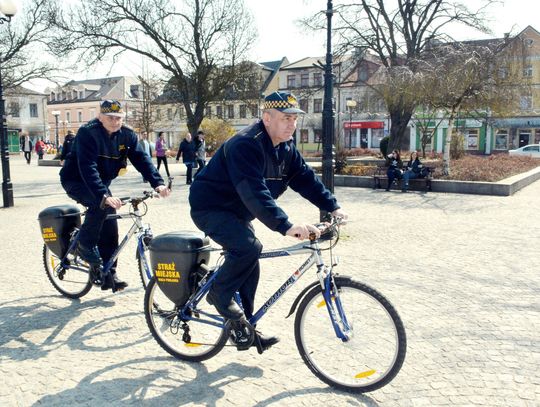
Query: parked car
[[530, 150]]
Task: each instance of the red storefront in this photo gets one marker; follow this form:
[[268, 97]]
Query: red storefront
[[365, 134]]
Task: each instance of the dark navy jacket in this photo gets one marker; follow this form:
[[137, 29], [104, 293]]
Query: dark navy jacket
[[248, 173], [96, 158], [187, 150]]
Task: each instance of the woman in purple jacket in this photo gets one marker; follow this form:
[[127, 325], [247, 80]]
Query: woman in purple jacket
[[161, 152]]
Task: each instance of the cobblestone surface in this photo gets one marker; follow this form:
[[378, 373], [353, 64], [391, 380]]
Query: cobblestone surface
[[461, 270]]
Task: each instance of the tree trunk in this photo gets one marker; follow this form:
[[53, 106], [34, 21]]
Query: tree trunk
[[448, 141], [400, 118]]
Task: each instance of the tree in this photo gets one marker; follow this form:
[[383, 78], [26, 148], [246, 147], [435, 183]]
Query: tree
[[216, 132], [150, 89], [19, 41], [192, 41], [466, 77], [398, 32]]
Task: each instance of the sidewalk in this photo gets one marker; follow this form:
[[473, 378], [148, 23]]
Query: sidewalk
[[461, 270]]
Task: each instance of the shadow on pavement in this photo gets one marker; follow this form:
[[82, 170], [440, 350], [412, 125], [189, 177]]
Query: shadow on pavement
[[153, 386]]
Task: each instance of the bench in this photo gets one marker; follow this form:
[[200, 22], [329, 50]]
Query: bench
[[380, 174]]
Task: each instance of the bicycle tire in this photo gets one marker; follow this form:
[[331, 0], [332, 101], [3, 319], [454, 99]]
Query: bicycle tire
[[142, 272], [374, 354], [161, 316], [72, 282]]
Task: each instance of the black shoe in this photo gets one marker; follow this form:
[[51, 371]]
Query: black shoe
[[403, 190], [91, 256], [265, 341], [111, 281], [387, 189], [229, 310]]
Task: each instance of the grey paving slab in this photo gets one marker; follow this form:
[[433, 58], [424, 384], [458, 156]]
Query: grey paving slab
[[462, 270]]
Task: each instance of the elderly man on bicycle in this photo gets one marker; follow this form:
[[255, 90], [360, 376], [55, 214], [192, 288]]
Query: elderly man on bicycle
[[99, 152], [240, 183]]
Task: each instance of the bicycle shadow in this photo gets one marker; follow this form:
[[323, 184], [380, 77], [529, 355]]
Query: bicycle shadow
[[288, 397], [147, 390], [18, 320]]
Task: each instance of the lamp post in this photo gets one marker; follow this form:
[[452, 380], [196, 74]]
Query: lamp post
[[7, 10], [350, 105], [56, 114], [328, 111]]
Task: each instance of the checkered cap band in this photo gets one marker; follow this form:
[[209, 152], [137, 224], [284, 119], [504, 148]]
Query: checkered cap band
[[278, 104], [111, 106]]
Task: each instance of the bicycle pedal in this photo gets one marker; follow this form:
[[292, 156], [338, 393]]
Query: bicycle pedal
[[242, 333]]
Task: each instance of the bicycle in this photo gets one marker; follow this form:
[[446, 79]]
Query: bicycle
[[348, 334], [68, 273]]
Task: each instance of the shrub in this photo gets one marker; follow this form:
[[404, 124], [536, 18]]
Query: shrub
[[457, 146], [383, 146]]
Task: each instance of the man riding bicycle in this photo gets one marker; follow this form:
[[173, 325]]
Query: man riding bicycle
[[240, 183], [100, 150]]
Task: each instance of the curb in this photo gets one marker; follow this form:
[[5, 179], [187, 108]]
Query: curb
[[505, 187]]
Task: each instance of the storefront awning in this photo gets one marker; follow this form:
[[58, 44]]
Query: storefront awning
[[363, 125], [521, 122]]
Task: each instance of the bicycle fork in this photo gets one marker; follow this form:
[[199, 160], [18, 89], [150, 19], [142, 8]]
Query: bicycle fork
[[331, 295]]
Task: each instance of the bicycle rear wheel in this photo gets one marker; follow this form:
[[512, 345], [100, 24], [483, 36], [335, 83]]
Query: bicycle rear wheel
[[190, 340], [72, 282], [375, 350]]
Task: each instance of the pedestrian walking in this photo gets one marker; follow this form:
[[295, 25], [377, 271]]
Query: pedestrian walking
[[200, 151], [161, 152], [186, 149], [26, 147]]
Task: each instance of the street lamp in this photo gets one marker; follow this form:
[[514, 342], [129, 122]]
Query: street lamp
[[351, 104], [328, 110], [56, 114], [7, 10]]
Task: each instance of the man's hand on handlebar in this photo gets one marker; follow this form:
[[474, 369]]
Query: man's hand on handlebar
[[113, 202], [339, 213], [303, 231], [163, 191]]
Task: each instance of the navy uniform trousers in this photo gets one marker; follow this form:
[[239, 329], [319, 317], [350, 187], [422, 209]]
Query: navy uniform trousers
[[240, 270], [95, 230]]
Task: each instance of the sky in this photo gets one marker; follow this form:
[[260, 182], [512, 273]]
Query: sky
[[280, 34]]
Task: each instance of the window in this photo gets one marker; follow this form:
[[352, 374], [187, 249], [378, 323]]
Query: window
[[169, 113], [527, 71], [33, 110], [81, 94], [254, 110], [317, 105], [303, 103], [14, 109], [472, 139], [158, 114], [525, 103], [529, 42], [291, 81], [304, 80], [230, 111], [209, 112], [501, 139], [362, 74], [304, 136], [318, 135], [79, 117], [317, 79], [68, 117], [219, 111], [243, 111]]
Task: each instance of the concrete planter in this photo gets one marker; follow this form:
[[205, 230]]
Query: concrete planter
[[505, 187], [49, 163]]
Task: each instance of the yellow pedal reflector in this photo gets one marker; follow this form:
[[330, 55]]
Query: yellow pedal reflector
[[365, 374], [193, 344], [53, 263], [323, 303]]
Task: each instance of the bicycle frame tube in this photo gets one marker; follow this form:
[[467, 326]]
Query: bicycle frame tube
[[314, 258], [137, 225]]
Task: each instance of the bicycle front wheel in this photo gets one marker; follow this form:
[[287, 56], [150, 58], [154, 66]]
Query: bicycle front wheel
[[72, 281], [374, 350], [194, 340]]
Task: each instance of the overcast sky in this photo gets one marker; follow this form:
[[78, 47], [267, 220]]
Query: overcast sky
[[279, 34]]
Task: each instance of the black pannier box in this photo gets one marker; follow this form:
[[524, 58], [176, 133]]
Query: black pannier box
[[175, 257], [57, 223]]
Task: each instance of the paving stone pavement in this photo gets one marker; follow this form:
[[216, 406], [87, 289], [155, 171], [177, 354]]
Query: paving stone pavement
[[462, 271]]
